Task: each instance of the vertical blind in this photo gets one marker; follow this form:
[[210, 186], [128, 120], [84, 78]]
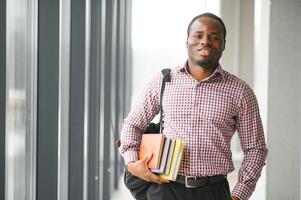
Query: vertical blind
[[67, 88]]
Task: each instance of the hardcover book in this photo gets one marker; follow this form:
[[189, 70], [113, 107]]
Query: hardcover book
[[152, 144], [176, 161]]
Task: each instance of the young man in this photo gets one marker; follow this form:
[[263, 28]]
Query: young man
[[203, 105]]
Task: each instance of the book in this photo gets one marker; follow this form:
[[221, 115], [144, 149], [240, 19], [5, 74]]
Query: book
[[163, 156], [152, 144], [176, 161], [169, 158]]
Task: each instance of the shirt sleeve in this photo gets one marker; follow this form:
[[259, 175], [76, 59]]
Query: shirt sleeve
[[145, 109], [250, 131]]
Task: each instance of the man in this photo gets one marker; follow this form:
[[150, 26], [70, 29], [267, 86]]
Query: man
[[203, 105]]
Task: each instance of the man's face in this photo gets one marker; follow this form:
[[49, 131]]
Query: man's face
[[205, 43]]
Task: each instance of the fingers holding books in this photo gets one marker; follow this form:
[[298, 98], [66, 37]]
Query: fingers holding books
[[140, 169]]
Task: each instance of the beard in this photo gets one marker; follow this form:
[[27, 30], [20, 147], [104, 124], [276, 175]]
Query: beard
[[207, 64]]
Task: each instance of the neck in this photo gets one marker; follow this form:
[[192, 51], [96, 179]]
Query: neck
[[199, 72]]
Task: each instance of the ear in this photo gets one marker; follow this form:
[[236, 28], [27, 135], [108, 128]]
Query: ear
[[224, 45], [187, 42]]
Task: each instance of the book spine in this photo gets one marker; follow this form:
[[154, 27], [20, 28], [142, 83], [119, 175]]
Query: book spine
[[178, 160], [164, 155], [170, 155]]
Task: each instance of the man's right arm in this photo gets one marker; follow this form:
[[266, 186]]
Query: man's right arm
[[143, 112]]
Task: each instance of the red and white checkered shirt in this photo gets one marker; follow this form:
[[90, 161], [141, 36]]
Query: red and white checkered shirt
[[205, 114]]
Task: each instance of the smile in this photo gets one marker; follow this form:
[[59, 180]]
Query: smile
[[205, 51]]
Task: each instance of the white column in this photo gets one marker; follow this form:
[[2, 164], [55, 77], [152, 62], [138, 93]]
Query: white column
[[230, 13], [284, 101], [261, 75]]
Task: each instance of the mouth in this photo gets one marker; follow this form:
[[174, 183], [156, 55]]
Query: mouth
[[205, 52]]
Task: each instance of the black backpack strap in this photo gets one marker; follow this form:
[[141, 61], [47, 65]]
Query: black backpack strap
[[166, 78]]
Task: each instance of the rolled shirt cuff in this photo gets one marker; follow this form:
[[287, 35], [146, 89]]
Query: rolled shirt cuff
[[130, 156], [241, 191]]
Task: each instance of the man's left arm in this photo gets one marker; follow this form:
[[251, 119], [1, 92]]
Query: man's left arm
[[250, 130]]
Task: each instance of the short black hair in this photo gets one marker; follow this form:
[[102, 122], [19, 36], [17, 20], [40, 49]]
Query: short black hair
[[207, 15]]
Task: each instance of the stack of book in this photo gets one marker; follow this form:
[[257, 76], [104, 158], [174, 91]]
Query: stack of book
[[166, 154]]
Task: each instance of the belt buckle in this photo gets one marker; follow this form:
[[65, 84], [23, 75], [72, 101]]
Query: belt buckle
[[186, 181]]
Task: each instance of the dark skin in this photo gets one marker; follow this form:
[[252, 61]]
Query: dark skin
[[205, 45]]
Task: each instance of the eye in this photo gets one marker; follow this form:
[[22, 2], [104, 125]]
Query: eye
[[214, 37], [197, 36]]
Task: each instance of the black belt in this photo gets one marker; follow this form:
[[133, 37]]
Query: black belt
[[196, 181]]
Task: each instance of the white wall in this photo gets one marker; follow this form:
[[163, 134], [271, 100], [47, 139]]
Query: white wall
[[261, 75], [159, 35], [284, 99]]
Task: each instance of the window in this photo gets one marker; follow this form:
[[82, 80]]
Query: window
[[21, 79]]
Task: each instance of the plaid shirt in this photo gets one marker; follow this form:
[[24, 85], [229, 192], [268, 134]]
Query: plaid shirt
[[205, 114]]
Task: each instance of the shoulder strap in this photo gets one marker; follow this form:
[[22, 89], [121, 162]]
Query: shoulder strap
[[166, 78]]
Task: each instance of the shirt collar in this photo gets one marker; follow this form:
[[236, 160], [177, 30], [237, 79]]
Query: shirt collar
[[218, 71]]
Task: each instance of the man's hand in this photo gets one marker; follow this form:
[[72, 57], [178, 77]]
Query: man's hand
[[139, 168], [234, 198]]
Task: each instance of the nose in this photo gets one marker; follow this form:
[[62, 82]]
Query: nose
[[205, 40]]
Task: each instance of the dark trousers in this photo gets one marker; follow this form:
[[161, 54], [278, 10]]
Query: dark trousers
[[142, 190], [178, 191]]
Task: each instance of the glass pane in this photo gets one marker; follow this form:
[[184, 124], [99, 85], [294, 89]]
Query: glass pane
[[21, 99]]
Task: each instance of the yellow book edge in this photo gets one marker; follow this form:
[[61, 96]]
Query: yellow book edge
[[175, 165]]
